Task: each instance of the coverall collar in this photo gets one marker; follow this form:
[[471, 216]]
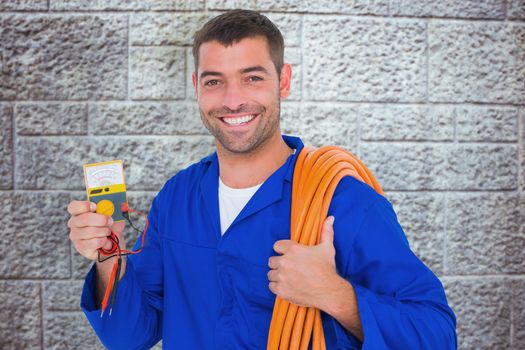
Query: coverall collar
[[269, 192]]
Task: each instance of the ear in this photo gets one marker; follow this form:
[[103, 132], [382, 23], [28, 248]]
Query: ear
[[194, 82], [285, 80]]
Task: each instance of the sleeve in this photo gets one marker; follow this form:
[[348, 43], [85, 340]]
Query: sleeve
[[401, 302], [136, 319]]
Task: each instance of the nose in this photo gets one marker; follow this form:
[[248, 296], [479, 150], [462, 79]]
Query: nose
[[234, 97]]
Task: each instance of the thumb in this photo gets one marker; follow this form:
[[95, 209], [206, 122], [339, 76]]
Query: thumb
[[118, 227], [327, 233]]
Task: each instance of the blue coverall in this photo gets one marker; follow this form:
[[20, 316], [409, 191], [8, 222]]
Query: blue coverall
[[195, 289]]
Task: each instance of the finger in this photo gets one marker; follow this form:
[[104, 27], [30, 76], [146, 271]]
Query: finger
[[273, 287], [327, 232], [282, 246], [80, 207], [272, 276], [90, 219], [118, 227], [273, 262], [89, 233], [87, 247]]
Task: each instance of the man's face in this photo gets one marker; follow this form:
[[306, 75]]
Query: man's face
[[238, 92]]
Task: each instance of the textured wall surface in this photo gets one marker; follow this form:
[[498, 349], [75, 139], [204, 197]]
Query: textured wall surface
[[430, 94]]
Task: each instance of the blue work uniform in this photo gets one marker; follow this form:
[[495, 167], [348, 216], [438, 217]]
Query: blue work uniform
[[195, 289]]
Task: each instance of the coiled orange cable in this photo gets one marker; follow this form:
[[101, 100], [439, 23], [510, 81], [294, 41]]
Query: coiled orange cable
[[316, 175]]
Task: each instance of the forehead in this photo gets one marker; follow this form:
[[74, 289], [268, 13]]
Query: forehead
[[247, 52]]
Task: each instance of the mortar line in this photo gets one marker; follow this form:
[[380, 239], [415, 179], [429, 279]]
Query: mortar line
[[390, 190], [445, 233], [41, 291], [511, 328], [88, 119], [70, 260], [378, 16], [427, 60], [13, 144], [128, 88], [303, 66], [509, 276], [327, 102], [521, 150]]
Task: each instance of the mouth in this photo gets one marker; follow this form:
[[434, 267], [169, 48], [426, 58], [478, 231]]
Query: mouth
[[238, 120]]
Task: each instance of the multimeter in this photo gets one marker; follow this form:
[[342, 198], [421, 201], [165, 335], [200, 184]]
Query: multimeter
[[105, 186]]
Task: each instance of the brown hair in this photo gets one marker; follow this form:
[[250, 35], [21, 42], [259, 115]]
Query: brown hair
[[233, 26]]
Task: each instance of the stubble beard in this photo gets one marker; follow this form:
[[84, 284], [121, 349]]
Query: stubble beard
[[268, 124]]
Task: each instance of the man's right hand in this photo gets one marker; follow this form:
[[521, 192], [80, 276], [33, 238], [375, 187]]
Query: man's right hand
[[89, 231]]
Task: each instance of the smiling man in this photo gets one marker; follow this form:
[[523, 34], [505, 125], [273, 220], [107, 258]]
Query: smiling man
[[217, 251]]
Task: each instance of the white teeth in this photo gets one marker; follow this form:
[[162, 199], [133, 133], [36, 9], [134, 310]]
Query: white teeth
[[240, 120]]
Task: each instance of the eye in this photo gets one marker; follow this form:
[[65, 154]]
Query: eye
[[212, 82], [254, 78]]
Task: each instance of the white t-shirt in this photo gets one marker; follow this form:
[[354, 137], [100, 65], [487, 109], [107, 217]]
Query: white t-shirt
[[231, 202]]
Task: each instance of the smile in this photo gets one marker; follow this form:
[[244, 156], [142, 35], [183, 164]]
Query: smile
[[238, 120]]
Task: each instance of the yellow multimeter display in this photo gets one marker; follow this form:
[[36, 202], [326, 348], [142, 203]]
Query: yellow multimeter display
[[105, 186]]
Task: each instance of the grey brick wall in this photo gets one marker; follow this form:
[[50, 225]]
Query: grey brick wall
[[430, 94]]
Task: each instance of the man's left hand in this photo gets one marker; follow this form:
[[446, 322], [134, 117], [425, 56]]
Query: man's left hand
[[304, 275]]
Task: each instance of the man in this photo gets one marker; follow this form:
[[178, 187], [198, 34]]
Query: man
[[217, 250]]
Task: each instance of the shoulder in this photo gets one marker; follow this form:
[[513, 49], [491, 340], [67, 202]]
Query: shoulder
[[185, 181], [354, 202], [354, 195]]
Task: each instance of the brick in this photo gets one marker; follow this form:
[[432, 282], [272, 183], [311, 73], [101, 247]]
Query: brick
[[97, 5], [361, 7], [157, 73], [292, 56], [63, 57], [80, 265], [482, 307], [232, 4], [51, 119], [406, 123], [47, 163], [356, 59], [487, 124], [290, 27], [462, 9], [422, 216], [60, 326], [23, 5], [516, 9], [62, 295], [146, 118], [483, 233], [518, 313], [6, 146], [190, 68], [165, 28], [20, 317], [35, 235], [476, 62], [442, 166], [324, 124]]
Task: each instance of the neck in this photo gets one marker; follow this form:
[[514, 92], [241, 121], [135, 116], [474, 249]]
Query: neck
[[251, 169]]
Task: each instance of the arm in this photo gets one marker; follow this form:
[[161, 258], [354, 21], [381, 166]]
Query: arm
[[401, 303], [381, 294], [136, 320]]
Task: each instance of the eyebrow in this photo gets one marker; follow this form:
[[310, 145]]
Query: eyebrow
[[255, 69], [206, 73]]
